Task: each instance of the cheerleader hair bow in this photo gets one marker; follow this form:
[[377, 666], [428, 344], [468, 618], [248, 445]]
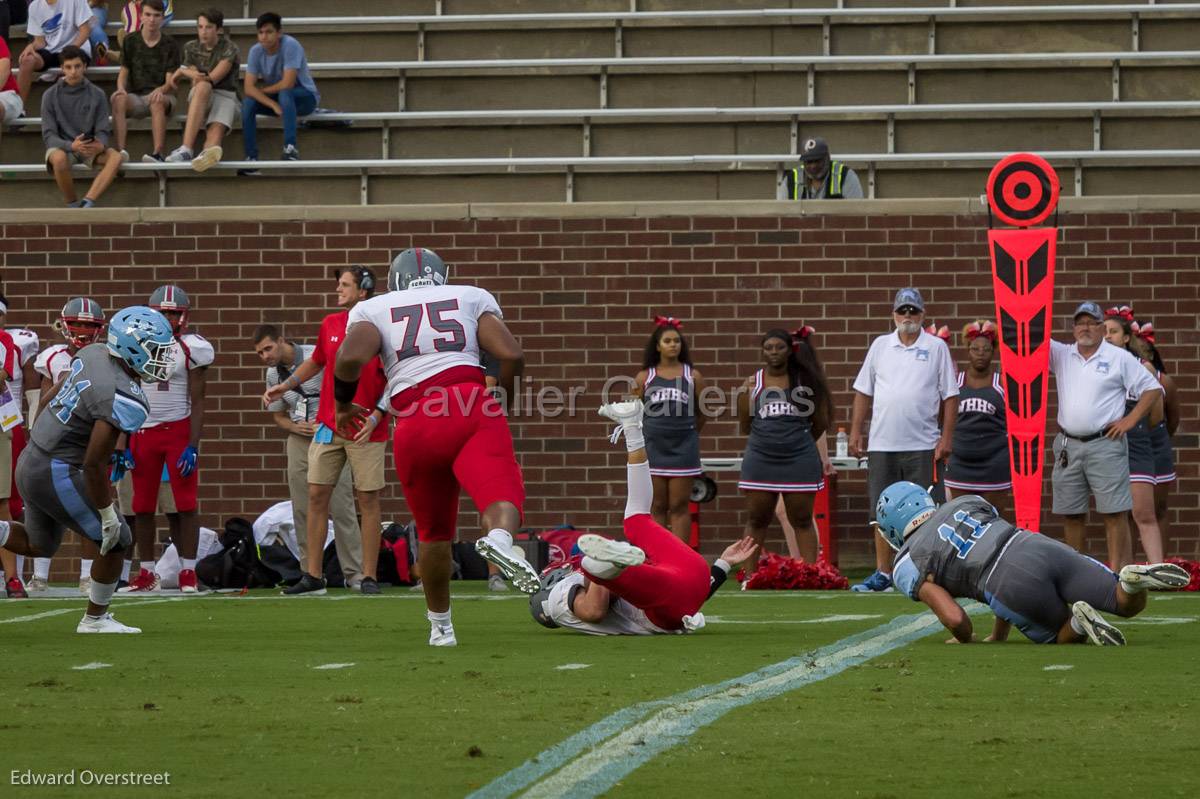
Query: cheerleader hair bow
[[1144, 332], [667, 321], [801, 334], [981, 328], [1122, 312], [942, 332]]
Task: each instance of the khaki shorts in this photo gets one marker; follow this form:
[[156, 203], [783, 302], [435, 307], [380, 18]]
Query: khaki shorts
[[1098, 468], [5, 464], [138, 106], [166, 500], [72, 159], [223, 107], [326, 461]]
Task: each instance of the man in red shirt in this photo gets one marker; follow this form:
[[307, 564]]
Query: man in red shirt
[[330, 452]]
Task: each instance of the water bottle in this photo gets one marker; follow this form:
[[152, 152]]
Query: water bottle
[[843, 443]]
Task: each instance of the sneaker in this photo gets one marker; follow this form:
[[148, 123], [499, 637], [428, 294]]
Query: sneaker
[[290, 153], [369, 586], [187, 581], [622, 553], [75, 204], [15, 589], [153, 158], [878, 583], [36, 585], [250, 171], [417, 587], [124, 156], [628, 412], [495, 583], [442, 635], [511, 562], [180, 155], [308, 584], [50, 76], [1099, 631], [146, 582], [208, 158], [85, 585], [104, 624], [1163, 576]]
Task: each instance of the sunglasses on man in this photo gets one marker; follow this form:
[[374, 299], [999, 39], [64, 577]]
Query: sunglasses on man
[[908, 310]]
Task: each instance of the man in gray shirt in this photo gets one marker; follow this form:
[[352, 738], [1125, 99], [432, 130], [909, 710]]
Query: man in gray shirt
[[76, 130], [1048, 590], [296, 414]]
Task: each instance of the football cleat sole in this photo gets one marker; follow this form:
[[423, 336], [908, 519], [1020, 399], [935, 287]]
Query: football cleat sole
[[606, 549], [514, 568], [1163, 576], [1098, 631]]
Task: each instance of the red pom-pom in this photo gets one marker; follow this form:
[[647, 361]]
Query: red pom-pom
[[779, 572]]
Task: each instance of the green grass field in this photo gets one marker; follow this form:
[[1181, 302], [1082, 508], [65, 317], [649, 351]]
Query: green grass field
[[847, 696]]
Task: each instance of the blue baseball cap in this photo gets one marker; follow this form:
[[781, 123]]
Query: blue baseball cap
[[908, 296], [1090, 308]]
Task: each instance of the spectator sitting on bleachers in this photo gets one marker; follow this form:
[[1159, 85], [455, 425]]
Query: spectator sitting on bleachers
[[288, 90], [97, 36], [822, 178], [53, 25], [131, 21], [76, 130], [146, 82], [11, 107], [12, 12], [210, 62]]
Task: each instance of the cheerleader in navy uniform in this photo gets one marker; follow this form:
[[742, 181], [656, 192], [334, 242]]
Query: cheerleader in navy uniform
[[1118, 331], [1160, 434], [979, 460], [670, 388], [783, 409]]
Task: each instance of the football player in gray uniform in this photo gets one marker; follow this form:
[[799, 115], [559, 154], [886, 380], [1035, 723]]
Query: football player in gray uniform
[[1044, 587], [63, 474]]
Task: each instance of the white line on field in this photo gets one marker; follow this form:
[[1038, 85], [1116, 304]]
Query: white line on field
[[79, 600], [591, 761], [1152, 620], [327, 666], [822, 620], [1058, 667], [95, 664], [572, 666]]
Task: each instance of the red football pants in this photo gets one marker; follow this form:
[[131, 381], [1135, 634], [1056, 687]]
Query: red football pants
[[672, 583], [152, 447], [456, 437]]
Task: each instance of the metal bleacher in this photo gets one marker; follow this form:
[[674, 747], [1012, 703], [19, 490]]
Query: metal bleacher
[[707, 104]]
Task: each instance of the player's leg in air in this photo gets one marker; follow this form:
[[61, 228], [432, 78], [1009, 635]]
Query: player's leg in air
[[653, 570]]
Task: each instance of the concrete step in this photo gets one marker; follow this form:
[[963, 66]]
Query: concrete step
[[299, 189]]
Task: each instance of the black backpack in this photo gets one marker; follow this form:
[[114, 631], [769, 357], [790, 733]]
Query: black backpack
[[238, 565]]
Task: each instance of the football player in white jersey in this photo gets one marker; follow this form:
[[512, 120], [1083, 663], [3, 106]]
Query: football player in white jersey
[[24, 386], [451, 433], [81, 323], [171, 437]]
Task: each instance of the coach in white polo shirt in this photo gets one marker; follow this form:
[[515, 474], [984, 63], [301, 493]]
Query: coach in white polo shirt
[[1091, 455], [907, 378]]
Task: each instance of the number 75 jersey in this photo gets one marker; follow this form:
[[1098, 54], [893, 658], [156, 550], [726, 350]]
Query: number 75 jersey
[[426, 331]]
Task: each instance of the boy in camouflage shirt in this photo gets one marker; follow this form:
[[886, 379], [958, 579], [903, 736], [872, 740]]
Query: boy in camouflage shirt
[[210, 62]]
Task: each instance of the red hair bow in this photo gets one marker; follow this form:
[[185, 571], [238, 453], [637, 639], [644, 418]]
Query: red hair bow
[[1124, 312], [1144, 332], [942, 332], [985, 329], [667, 321], [801, 334]]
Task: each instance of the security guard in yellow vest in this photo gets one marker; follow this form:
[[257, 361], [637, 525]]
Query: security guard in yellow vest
[[822, 178]]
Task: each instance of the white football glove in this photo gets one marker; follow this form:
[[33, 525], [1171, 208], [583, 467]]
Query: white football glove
[[110, 529]]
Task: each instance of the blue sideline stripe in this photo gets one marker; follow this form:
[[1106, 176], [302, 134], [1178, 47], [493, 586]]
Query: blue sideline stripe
[[558, 755], [80, 509]]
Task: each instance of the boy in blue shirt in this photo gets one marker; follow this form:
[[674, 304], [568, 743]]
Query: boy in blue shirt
[[277, 83]]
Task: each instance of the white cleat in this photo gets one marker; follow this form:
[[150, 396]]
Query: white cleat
[[1162, 576], [510, 559], [442, 635], [36, 585], [623, 413], [1099, 631], [104, 624], [620, 553]]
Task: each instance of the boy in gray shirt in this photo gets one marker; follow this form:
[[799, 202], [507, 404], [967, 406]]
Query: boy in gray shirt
[[77, 130]]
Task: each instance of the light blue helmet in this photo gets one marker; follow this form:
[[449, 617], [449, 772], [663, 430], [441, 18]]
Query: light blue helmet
[[142, 338], [902, 508]]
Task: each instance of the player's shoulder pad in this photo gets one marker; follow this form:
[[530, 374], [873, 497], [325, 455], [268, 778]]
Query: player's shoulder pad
[[200, 351]]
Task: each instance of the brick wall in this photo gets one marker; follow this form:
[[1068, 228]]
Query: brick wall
[[579, 291]]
